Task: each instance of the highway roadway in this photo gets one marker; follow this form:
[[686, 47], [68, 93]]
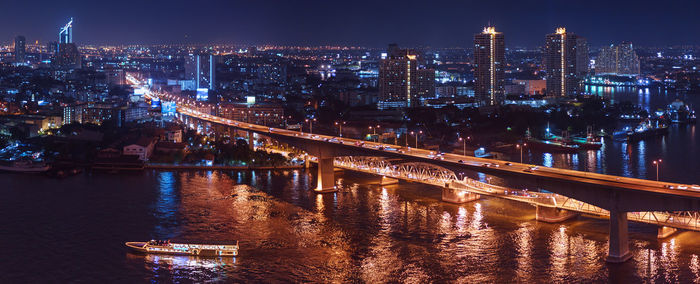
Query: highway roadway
[[487, 165]]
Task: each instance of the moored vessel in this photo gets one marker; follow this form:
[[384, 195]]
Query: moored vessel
[[166, 247]]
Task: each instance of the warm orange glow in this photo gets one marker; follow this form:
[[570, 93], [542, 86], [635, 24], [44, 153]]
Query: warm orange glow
[[561, 30], [490, 30]]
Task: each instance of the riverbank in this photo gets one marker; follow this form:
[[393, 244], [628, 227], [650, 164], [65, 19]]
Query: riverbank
[[219, 167]]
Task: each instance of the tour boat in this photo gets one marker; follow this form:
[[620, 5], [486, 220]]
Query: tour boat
[[24, 166], [166, 247]]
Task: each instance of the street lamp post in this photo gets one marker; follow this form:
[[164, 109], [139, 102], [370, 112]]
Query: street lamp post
[[657, 163], [375, 132], [465, 145], [340, 128], [407, 138], [311, 125], [419, 132], [521, 151]]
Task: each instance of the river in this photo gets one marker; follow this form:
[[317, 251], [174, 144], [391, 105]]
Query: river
[[73, 230]]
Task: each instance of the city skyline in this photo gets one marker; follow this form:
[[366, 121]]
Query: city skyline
[[311, 23]]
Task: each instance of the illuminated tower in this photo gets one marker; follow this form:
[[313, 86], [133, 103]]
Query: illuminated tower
[[67, 55], [66, 33], [489, 63], [618, 59], [20, 49], [201, 70], [402, 82], [560, 63]]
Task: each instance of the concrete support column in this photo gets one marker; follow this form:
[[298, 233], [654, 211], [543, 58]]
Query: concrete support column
[[454, 195], [251, 141], [326, 176], [665, 232], [619, 248], [553, 215]]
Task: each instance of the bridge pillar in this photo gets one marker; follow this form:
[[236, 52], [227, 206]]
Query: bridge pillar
[[454, 195], [665, 232], [251, 141], [326, 176], [619, 248], [553, 215], [387, 181]]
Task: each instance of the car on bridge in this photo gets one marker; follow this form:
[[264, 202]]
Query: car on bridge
[[531, 169]]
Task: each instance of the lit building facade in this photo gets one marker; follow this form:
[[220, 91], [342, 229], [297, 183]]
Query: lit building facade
[[617, 60], [402, 82], [560, 63], [489, 67], [20, 49], [200, 72], [68, 55]]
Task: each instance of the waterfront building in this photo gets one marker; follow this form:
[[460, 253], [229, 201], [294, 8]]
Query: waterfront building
[[402, 81], [489, 63], [142, 148], [617, 60], [560, 59], [20, 49], [200, 72]]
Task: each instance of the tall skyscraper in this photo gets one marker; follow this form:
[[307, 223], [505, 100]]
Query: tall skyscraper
[[489, 63], [200, 71], [582, 61], [68, 55], [618, 60], [402, 81], [560, 63], [65, 35], [20, 49]]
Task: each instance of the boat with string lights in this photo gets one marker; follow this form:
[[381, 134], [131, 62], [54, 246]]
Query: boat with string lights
[[166, 247]]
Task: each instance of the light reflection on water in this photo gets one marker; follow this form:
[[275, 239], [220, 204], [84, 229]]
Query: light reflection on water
[[365, 233], [679, 149]]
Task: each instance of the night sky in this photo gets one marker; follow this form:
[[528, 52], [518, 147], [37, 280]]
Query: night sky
[[373, 23]]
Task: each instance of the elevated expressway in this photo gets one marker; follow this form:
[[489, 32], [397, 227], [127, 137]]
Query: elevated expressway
[[589, 192]]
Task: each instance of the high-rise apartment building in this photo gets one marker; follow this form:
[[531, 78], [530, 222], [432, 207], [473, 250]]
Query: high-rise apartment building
[[618, 60], [560, 63], [20, 49], [489, 64], [402, 81], [582, 60], [200, 72]]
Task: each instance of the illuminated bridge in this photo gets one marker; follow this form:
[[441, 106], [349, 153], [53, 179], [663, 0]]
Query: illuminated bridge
[[621, 198]]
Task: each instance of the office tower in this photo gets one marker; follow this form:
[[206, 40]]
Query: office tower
[[618, 60], [68, 55], [402, 81], [489, 63], [582, 61], [20, 49], [65, 35], [560, 63], [200, 71]]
